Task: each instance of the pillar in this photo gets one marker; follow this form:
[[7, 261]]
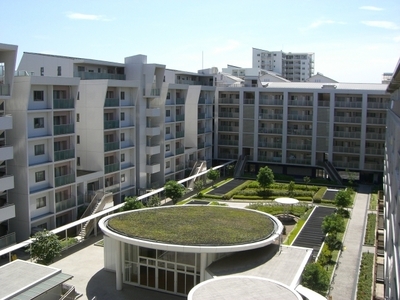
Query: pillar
[[118, 266]]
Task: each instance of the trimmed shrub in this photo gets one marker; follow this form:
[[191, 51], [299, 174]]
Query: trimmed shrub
[[325, 256], [318, 195], [230, 194]]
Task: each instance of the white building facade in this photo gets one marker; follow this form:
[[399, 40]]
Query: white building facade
[[8, 56]]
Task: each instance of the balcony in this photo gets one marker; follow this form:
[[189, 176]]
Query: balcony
[[7, 240], [270, 145], [228, 142], [340, 149], [228, 101], [63, 129], [7, 212], [63, 103], [271, 117], [110, 124], [300, 117], [153, 112], [345, 165], [228, 155], [297, 146], [348, 104], [374, 151], [93, 75], [348, 120], [64, 154], [270, 159], [200, 145], [270, 130], [376, 121], [111, 146], [179, 150], [375, 136], [152, 168], [180, 101], [179, 168], [344, 134], [63, 180], [271, 102], [65, 204], [201, 116], [152, 131], [180, 134], [377, 105], [6, 182], [300, 103], [200, 130], [224, 114], [229, 128], [180, 118], [299, 131], [111, 168], [6, 122], [151, 150], [111, 102], [153, 92], [298, 161], [6, 152]]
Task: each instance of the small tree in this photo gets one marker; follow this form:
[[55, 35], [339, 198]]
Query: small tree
[[198, 185], [342, 201], [291, 188], [131, 203], [230, 169], [174, 190], [154, 201], [265, 177], [316, 278], [45, 247], [332, 225], [306, 180], [213, 174]]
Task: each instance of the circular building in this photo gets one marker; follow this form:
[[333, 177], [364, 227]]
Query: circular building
[[169, 248]]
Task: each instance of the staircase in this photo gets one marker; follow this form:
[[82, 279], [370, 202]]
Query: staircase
[[97, 204], [198, 167], [331, 170], [241, 162]]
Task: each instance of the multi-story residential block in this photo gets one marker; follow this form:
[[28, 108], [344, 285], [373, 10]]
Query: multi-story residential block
[[292, 66], [391, 208], [8, 55], [302, 127]]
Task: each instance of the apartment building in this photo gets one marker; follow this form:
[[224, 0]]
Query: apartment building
[[8, 56], [391, 234], [303, 127], [295, 67]]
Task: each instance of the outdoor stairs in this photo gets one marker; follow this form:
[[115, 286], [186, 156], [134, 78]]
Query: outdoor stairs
[[331, 170], [241, 162], [198, 167], [311, 235]]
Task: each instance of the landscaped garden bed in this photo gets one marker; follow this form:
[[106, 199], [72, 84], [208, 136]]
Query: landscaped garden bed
[[370, 230]]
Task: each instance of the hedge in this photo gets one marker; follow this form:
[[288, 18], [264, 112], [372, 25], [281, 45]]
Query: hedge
[[230, 194], [318, 195]]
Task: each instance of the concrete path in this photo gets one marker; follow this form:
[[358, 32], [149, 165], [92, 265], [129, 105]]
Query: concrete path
[[346, 276]]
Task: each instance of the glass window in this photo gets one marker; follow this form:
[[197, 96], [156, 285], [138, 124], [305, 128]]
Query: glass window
[[122, 116], [40, 202], [78, 161], [38, 122], [59, 71], [40, 176], [39, 149], [122, 157], [38, 95], [122, 177], [167, 113], [78, 139], [122, 137], [167, 147], [122, 95]]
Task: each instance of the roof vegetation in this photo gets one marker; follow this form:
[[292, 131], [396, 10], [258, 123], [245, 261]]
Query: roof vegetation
[[194, 225]]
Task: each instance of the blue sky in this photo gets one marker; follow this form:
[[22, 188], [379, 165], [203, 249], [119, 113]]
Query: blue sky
[[353, 41]]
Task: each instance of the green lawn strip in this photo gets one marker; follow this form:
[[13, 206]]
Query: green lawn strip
[[68, 242], [295, 231], [365, 278], [194, 225], [370, 230], [373, 202]]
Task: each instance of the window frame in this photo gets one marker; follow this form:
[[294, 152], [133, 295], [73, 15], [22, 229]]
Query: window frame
[[39, 149], [38, 95], [40, 176], [38, 122], [41, 202]]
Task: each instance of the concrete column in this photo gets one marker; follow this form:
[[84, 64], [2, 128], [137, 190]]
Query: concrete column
[[118, 266], [203, 265]]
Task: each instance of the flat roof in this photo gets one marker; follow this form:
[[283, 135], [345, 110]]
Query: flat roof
[[242, 287], [26, 280]]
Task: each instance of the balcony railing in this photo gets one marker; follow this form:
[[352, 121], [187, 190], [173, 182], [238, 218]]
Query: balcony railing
[[271, 116], [298, 161], [180, 101], [111, 168], [229, 128], [270, 130], [201, 115], [111, 146], [341, 149], [270, 159], [299, 131], [65, 179], [64, 154], [4, 89], [63, 129], [297, 146], [270, 145], [300, 103], [228, 155], [375, 136], [110, 102], [300, 117], [376, 120], [65, 204], [348, 104], [180, 118], [270, 102], [179, 150], [200, 130], [63, 103], [223, 114], [228, 142], [180, 134], [7, 240], [344, 134], [200, 145], [111, 124], [348, 119], [374, 151], [228, 101], [93, 75]]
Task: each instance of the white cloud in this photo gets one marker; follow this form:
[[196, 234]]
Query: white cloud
[[232, 44], [397, 39], [381, 24], [371, 8], [320, 23], [88, 17]]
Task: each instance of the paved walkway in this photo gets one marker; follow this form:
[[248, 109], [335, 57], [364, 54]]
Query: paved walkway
[[346, 275]]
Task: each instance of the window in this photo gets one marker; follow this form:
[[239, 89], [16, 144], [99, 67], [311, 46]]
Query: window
[[78, 161], [168, 113], [41, 71], [122, 116], [122, 136], [40, 202], [167, 130], [78, 139], [77, 97], [167, 147], [38, 122], [59, 71], [122, 177], [122, 157], [40, 176], [38, 95], [77, 117], [167, 165], [122, 95], [39, 149]]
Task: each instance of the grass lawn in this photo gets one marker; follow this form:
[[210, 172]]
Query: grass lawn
[[373, 202], [194, 225], [370, 230], [365, 279]]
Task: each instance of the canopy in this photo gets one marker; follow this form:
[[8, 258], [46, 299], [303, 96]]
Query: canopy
[[286, 200]]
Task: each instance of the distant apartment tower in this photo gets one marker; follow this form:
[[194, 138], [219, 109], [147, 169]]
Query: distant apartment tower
[[8, 55], [295, 67]]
